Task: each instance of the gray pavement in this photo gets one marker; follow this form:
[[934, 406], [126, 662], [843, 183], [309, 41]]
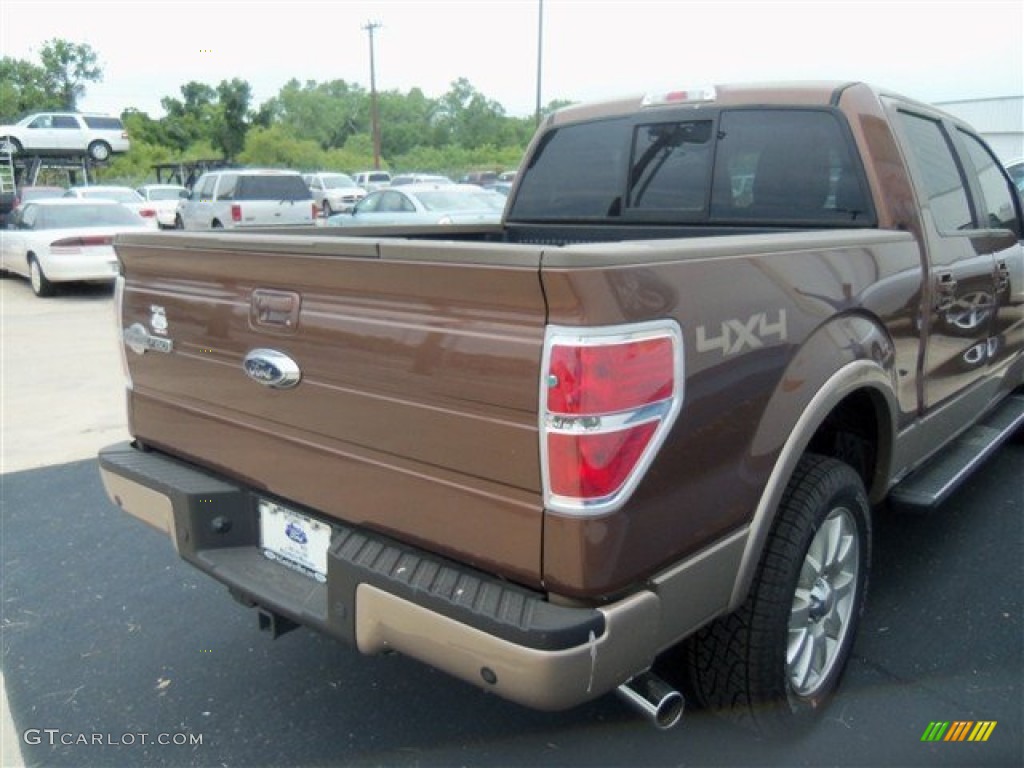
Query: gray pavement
[[110, 641]]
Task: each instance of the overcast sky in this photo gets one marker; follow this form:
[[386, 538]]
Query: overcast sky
[[927, 49]]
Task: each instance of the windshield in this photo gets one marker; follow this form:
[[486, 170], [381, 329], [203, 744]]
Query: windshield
[[120, 195], [85, 216], [450, 200], [338, 182], [167, 194]]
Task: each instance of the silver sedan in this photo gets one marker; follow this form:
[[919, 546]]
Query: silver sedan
[[417, 204]]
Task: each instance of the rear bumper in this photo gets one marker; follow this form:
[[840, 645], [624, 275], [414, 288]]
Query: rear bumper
[[381, 595]]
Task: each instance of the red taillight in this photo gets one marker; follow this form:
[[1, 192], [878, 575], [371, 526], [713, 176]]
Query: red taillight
[[236, 212], [609, 397], [316, 211], [147, 213], [607, 379], [76, 244]]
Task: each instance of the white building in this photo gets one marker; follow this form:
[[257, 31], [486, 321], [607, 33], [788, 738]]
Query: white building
[[999, 120]]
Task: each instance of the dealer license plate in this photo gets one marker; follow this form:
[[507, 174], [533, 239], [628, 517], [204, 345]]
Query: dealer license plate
[[294, 540]]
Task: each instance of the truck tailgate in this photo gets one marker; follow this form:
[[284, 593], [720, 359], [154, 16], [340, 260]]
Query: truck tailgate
[[416, 411]]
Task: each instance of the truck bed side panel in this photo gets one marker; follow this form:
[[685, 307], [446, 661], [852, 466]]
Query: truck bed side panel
[[748, 306]]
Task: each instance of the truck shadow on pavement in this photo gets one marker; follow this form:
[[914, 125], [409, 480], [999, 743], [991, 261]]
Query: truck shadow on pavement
[[117, 653]]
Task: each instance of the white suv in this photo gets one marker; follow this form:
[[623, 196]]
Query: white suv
[[373, 180], [334, 192], [233, 198], [66, 133]]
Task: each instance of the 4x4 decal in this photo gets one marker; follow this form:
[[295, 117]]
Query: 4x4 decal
[[736, 335]]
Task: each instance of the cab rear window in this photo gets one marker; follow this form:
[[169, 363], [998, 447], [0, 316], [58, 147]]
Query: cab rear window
[[739, 166]]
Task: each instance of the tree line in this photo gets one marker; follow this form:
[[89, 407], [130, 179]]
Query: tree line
[[309, 125]]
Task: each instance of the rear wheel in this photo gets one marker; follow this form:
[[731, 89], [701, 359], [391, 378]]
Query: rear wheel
[[328, 211], [774, 663], [10, 145], [41, 287], [99, 151]]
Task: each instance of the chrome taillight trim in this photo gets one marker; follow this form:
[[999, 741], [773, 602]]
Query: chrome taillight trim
[[664, 411], [119, 287]]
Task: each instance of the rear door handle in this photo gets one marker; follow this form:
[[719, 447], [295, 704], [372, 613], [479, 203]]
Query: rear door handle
[[945, 291]]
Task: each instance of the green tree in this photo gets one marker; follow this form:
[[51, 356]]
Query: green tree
[[276, 147], [327, 113], [191, 118], [470, 119], [68, 67], [233, 116], [23, 89]]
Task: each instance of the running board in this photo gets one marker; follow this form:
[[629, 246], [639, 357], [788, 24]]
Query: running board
[[934, 482]]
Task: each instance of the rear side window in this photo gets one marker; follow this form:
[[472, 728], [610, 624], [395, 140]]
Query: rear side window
[[939, 174], [997, 208], [741, 166], [227, 187], [103, 123], [272, 187]]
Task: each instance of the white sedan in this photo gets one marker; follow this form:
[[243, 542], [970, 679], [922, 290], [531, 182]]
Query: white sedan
[[65, 240], [126, 196], [164, 199]]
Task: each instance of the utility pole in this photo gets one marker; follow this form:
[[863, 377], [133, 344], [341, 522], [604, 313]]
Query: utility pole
[[540, 51], [370, 27]]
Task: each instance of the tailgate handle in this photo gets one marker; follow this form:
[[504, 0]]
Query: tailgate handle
[[277, 310]]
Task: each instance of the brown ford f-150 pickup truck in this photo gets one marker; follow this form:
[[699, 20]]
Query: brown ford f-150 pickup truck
[[632, 438]]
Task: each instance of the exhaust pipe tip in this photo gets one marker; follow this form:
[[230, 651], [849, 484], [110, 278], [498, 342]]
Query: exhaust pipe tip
[[658, 701]]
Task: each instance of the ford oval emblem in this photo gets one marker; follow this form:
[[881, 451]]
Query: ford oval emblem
[[295, 533], [271, 368]]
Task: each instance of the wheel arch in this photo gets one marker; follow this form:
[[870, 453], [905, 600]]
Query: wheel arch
[[853, 405]]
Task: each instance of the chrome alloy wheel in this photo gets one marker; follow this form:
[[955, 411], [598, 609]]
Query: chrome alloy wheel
[[826, 593]]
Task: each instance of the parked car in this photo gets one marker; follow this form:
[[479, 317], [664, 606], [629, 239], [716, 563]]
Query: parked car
[[65, 240], [126, 196], [480, 178], [66, 133], [373, 180], [508, 176], [28, 194], [419, 178], [424, 204], [333, 192], [255, 197], [164, 199], [1016, 171]]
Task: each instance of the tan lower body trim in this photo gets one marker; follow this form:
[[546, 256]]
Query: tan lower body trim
[[147, 505], [547, 680]]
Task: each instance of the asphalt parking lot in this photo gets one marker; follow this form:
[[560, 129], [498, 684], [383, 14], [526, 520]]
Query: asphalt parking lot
[[115, 653]]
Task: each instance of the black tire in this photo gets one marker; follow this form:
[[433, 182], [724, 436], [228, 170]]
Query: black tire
[[178, 222], [326, 209], [216, 225], [41, 286], [768, 666], [11, 144], [99, 151]]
